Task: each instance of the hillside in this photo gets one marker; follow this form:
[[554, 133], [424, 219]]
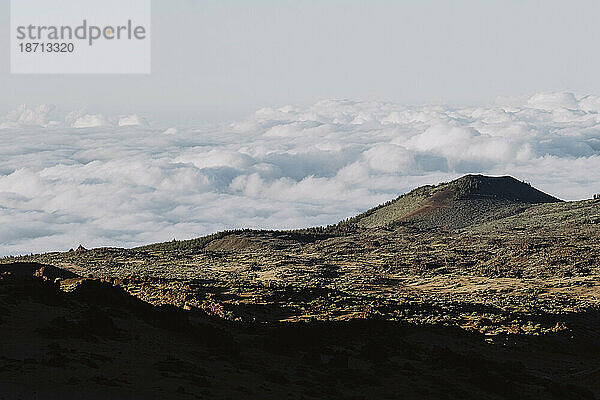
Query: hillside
[[463, 202], [480, 274], [95, 341]]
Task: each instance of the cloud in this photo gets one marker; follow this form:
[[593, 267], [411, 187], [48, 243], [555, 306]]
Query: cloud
[[553, 101], [90, 121], [42, 116], [132, 120], [130, 182], [171, 131]]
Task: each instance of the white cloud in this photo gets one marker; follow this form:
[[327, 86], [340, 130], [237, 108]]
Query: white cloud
[[171, 131], [132, 120], [132, 183], [90, 121], [42, 115]]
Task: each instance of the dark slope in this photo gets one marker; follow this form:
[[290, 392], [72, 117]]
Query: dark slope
[[502, 187], [46, 272], [98, 342], [466, 201]]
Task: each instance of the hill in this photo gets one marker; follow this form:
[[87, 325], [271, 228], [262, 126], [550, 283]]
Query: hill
[[460, 203]]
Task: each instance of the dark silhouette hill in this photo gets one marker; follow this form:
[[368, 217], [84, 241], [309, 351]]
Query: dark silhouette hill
[[97, 341], [46, 272], [457, 204]]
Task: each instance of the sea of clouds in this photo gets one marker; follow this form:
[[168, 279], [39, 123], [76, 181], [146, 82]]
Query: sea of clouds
[[71, 178]]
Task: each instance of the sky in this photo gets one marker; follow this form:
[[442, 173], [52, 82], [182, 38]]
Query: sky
[[288, 114], [224, 59]]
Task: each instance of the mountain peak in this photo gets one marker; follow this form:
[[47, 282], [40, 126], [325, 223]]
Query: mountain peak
[[499, 187], [465, 201]]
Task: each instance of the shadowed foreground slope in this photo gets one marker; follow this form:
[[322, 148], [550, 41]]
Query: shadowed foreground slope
[[99, 342]]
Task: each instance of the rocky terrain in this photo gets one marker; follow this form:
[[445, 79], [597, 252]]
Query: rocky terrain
[[478, 288]]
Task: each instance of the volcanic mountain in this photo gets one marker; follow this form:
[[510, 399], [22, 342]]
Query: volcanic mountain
[[457, 204]]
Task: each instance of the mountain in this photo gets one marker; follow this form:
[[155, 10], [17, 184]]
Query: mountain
[[507, 306], [457, 204]]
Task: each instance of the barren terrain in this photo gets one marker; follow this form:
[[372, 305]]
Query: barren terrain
[[479, 288]]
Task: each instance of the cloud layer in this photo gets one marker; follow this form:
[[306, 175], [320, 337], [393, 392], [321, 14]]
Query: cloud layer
[[84, 178]]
